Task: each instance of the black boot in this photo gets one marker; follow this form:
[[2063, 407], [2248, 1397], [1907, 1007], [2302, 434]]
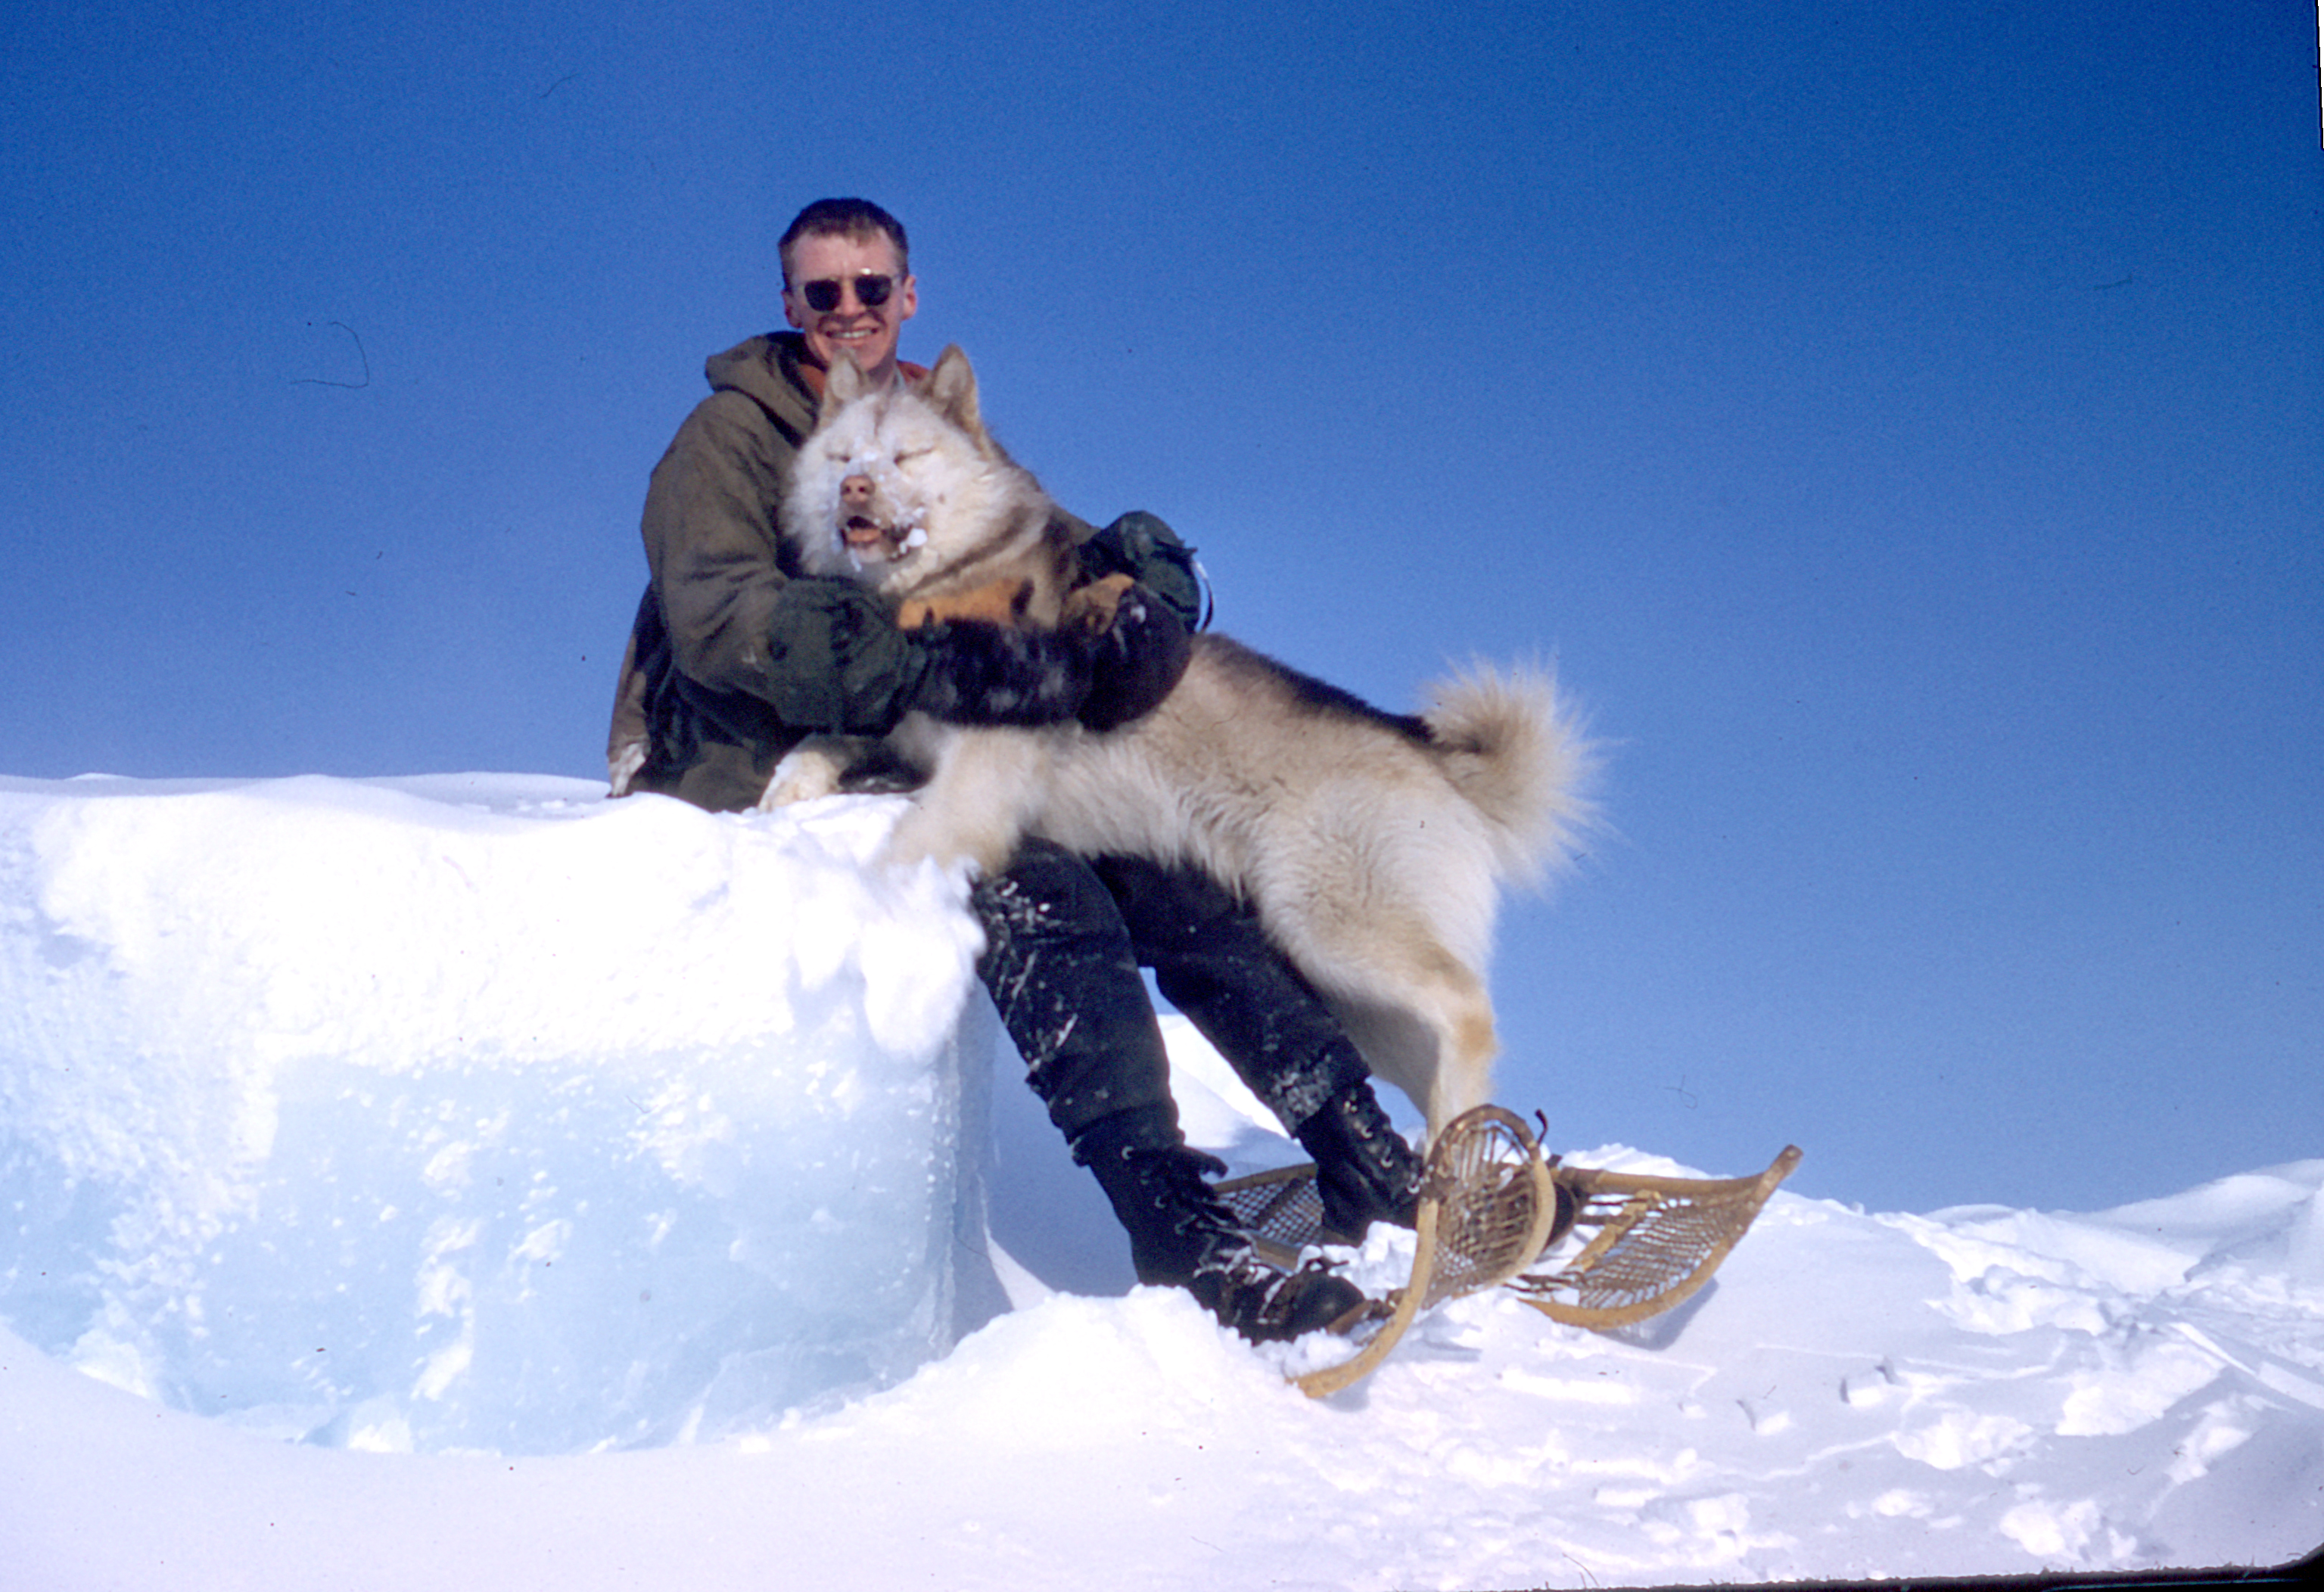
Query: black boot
[[1364, 1170], [1182, 1234]]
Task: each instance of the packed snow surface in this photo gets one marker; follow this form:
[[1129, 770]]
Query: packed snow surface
[[621, 1173]]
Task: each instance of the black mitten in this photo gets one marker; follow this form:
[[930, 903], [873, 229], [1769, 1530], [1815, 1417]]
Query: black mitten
[[1139, 546], [981, 674], [1135, 661]]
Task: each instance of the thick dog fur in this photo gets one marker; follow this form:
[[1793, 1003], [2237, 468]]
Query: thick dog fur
[[1372, 845]]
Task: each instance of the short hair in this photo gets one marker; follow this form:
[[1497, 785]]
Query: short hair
[[844, 218]]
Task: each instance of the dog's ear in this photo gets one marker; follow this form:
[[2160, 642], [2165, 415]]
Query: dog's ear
[[843, 383], [951, 390]]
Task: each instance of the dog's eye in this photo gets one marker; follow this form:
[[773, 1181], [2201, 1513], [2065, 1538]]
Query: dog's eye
[[909, 453]]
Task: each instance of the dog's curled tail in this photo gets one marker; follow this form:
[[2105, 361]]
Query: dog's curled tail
[[1516, 751]]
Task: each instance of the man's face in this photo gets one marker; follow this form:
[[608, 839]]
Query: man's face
[[866, 333]]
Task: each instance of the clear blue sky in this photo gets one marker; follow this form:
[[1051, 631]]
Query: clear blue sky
[[1904, 423]]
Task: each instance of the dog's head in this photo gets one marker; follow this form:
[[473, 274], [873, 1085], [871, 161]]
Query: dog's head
[[896, 484]]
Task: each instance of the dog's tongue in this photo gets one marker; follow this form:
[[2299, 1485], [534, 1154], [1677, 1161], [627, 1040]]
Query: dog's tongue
[[862, 534]]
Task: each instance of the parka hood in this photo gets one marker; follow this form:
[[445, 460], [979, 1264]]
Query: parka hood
[[770, 370]]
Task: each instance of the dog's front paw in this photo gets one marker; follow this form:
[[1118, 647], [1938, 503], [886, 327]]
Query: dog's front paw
[[1092, 607], [912, 845], [801, 776], [924, 835], [998, 602]]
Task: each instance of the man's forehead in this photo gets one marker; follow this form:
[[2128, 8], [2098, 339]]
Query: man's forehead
[[831, 249]]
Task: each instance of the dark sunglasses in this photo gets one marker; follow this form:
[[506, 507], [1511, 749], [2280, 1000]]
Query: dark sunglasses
[[872, 291]]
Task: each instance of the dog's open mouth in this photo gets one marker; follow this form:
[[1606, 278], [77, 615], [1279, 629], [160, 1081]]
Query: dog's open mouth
[[877, 542]]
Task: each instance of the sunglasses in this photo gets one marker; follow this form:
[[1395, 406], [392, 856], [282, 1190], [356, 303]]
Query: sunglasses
[[871, 290]]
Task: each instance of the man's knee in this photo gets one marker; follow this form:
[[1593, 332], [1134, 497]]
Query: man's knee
[[1060, 969], [1047, 895]]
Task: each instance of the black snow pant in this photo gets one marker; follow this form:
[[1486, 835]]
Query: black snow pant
[[1064, 941]]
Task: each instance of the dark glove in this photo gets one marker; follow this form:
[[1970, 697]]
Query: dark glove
[[981, 674], [835, 660], [1135, 661]]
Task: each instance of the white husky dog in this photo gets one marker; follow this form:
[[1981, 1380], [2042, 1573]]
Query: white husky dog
[[1371, 845]]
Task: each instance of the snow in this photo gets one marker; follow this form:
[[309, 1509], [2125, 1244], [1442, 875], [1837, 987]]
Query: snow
[[360, 1071], [464, 1114]]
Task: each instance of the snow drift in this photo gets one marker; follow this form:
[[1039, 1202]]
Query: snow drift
[[480, 1114]]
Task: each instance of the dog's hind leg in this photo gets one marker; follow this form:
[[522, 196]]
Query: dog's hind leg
[[1467, 1047], [1419, 1014]]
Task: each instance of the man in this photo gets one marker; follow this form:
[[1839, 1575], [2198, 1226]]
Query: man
[[734, 656]]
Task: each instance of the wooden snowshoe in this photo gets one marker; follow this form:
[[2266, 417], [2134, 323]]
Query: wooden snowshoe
[[1656, 1240], [1490, 1207]]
